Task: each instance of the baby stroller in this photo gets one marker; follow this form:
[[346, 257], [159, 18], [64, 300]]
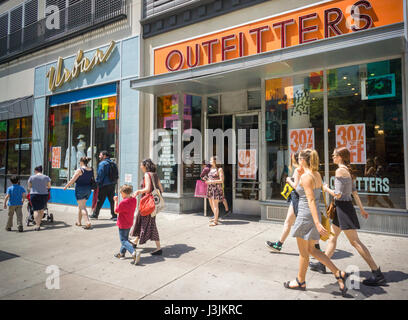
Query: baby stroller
[[30, 218]]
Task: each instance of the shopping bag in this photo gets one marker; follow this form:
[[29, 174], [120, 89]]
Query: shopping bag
[[95, 198], [201, 189], [287, 190]]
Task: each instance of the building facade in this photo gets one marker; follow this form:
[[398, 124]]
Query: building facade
[[71, 62], [287, 75]]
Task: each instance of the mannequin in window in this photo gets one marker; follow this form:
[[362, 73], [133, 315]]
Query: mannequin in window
[[80, 149], [73, 159], [92, 155]]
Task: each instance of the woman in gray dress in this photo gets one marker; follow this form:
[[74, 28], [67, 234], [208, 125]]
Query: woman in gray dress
[[346, 217], [308, 228]]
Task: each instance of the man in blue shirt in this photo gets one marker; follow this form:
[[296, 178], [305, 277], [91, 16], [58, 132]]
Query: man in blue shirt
[[105, 185], [15, 197]]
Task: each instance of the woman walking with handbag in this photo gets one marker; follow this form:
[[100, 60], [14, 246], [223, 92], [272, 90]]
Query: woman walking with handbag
[[346, 219], [214, 192], [84, 182], [145, 226], [308, 228], [293, 206]]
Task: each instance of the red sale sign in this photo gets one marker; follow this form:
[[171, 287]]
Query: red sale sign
[[353, 137], [247, 167], [56, 158], [301, 139]]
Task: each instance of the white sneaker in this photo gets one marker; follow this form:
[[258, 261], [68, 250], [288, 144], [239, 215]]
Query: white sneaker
[[136, 257]]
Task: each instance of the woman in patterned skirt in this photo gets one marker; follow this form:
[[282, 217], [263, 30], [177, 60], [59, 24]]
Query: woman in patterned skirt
[[145, 226], [215, 193]]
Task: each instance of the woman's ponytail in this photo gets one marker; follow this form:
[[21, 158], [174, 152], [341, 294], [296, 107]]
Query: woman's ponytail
[[314, 160]]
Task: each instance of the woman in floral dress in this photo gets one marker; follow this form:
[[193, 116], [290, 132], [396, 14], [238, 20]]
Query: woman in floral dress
[[215, 193]]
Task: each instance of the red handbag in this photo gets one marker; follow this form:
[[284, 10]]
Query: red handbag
[[147, 205]]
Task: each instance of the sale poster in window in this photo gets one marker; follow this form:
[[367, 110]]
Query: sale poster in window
[[56, 158], [301, 139], [247, 164], [353, 137]]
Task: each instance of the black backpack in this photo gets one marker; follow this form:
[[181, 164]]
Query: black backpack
[[113, 172]]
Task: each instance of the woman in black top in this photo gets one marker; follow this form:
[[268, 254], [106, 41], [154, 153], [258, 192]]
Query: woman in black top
[[83, 178]]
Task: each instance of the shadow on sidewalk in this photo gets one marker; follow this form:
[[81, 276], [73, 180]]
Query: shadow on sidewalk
[[47, 225], [363, 290], [232, 222], [173, 251], [341, 254], [103, 225], [7, 255]]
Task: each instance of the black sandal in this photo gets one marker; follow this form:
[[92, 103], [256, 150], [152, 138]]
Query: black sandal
[[346, 275], [299, 287]]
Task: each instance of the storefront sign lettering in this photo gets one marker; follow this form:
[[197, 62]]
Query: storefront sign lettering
[[59, 75], [369, 185], [353, 137], [300, 139], [310, 24]]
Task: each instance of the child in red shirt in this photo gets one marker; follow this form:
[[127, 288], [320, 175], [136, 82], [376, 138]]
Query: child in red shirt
[[126, 212]]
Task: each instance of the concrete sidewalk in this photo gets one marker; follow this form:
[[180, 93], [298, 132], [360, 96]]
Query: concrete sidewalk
[[229, 261]]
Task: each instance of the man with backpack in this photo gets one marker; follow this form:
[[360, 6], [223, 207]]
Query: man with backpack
[[106, 179]]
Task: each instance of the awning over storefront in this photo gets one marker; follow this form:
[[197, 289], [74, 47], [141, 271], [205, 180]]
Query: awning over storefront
[[247, 72], [16, 108]]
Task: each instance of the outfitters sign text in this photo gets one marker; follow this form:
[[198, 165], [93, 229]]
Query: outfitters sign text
[[317, 22]]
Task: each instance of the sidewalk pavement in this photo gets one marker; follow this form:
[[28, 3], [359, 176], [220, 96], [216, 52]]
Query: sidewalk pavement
[[229, 261]]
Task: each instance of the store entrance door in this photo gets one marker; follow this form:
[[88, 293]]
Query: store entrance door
[[246, 190], [223, 122]]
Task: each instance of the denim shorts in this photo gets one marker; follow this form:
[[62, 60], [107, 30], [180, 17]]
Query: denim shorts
[[83, 192]]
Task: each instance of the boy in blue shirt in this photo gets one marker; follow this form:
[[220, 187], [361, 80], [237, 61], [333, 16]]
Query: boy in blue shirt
[[15, 197]]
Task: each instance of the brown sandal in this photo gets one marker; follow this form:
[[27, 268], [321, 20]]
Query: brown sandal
[[78, 224], [213, 224], [88, 226]]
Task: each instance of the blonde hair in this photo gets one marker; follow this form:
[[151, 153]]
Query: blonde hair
[[294, 161], [126, 188], [311, 157]]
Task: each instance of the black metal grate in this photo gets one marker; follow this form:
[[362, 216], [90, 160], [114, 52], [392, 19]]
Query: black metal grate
[[58, 25]]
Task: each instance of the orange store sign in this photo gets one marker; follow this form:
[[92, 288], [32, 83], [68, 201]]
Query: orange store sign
[[316, 22]]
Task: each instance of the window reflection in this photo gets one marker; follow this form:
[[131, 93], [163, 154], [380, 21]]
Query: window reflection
[[365, 115], [294, 121], [167, 115]]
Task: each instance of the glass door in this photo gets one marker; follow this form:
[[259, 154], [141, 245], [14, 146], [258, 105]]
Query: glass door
[[246, 191]]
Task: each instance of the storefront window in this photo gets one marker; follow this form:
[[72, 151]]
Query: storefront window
[[105, 128], [192, 120], [14, 128], [81, 131], [104, 124], [294, 121], [3, 129], [26, 127], [213, 106], [167, 116], [58, 153], [365, 115], [254, 100], [15, 150], [12, 157]]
